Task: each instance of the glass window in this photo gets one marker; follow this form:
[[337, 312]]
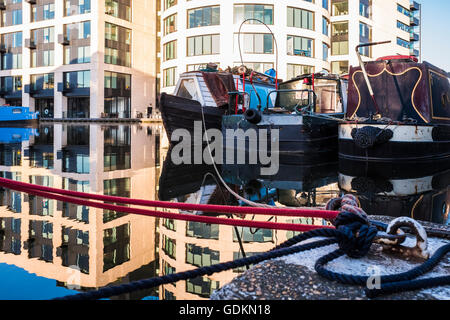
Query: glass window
[[300, 18], [340, 8], [203, 45], [300, 46], [170, 24], [169, 77], [202, 17], [294, 70], [339, 67], [253, 11], [255, 43], [365, 8], [170, 50], [169, 3]]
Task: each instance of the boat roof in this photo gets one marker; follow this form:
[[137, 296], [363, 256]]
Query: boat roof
[[403, 89], [319, 75], [199, 73]]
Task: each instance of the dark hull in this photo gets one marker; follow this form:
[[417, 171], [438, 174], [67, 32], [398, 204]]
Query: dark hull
[[392, 170], [310, 141], [181, 113], [288, 177], [20, 123], [180, 180], [409, 151]]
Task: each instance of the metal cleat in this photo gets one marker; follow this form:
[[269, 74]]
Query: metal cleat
[[394, 235]]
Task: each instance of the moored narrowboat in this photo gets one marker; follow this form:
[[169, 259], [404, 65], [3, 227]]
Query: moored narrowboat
[[209, 94], [398, 111], [17, 115], [304, 120]]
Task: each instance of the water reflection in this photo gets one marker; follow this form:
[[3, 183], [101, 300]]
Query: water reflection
[[51, 239], [419, 192], [188, 245]]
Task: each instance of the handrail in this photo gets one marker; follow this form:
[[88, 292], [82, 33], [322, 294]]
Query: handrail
[[311, 96], [231, 94]]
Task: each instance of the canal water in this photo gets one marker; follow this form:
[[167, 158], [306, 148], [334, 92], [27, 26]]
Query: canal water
[[50, 249]]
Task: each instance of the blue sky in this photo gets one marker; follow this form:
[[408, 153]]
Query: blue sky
[[436, 32]]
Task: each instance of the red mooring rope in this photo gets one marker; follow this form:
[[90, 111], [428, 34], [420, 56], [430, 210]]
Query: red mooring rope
[[78, 199]]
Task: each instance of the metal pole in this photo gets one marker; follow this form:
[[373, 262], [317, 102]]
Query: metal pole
[[366, 76]]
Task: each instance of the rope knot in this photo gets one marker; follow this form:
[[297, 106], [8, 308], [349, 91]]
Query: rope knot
[[356, 233]]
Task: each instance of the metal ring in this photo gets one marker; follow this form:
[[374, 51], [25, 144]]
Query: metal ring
[[421, 248]]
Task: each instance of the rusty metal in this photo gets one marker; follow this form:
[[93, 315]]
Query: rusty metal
[[420, 250], [384, 238]]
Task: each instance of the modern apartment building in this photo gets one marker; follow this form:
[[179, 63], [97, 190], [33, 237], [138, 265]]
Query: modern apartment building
[[361, 21], [78, 58], [310, 35]]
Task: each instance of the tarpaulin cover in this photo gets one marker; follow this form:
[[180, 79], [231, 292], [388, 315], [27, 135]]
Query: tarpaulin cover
[[219, 84]]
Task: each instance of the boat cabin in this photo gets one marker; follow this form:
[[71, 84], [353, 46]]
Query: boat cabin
[[17, 113], [404, 90], [218, 89], [330, 93]]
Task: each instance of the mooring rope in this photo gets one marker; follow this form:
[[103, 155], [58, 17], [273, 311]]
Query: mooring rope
[[354, 235], [300, 212]]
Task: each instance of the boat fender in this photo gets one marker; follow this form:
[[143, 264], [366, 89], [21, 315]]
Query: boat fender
[[365, 185], [253, 116], [368, 136]]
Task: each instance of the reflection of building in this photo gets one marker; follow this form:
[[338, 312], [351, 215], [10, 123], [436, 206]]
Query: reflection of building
[[188, 245], [47, 237], [311, 35], [78, 58]]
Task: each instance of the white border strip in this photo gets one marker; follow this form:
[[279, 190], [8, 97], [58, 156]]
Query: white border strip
[[402, 133]]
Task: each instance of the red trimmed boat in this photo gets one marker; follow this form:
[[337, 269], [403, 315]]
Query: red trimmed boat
[[398, 111]]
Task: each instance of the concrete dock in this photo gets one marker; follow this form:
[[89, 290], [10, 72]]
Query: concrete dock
[[294, 278]]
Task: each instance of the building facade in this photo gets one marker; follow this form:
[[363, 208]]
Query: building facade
[[78, 58], [309, 35]]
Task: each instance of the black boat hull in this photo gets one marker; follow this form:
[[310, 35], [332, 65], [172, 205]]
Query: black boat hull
[[181, 113], [409, 144], [301, 139]]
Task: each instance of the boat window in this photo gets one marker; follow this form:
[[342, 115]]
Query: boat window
[[292, 100], [328, 99], [188, 89], [16, 111]]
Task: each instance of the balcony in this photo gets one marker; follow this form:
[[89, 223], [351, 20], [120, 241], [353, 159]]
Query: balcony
[[38, 92], [62, 39], [413, 37], [414, 22], [414, 52], [414, 6], [30, 44], [72, 90]]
